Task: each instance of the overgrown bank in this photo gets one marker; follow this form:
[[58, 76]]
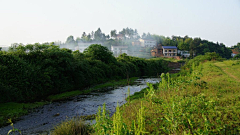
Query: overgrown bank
[[34, 72], [202, 99]]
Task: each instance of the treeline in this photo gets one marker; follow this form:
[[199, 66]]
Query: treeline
[[195, 46], [32, 72]]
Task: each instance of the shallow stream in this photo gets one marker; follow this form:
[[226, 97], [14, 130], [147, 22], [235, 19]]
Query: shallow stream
[[43, 119]]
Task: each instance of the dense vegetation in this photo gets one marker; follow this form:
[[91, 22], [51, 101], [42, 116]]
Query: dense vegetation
[[205, 101], [32, 72]]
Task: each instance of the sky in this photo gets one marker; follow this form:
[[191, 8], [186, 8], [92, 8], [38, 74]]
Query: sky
[[31, 21]]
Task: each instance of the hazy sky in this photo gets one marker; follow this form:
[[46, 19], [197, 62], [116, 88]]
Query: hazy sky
[[30, 21]]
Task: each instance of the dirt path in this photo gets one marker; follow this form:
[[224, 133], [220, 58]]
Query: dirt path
[[225, 71]]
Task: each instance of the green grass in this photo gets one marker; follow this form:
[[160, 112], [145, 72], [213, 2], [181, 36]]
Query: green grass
[[205, 101], [73, 126], [113, 83], [15, 110], [170, 59]]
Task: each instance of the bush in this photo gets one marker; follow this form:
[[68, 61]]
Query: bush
[[74, 126]]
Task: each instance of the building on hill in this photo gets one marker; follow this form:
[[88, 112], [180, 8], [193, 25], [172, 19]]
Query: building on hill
[[164, 51], [118, 50], [169, 51], [147, 42], [157, 51], [183, 53], [234, 52]]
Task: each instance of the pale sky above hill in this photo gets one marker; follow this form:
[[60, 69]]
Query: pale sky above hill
[[31, 21]]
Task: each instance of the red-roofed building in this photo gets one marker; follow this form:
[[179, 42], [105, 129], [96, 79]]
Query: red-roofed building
[[234, 52]]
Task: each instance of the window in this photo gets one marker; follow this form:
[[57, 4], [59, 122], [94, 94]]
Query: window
[[170, 50], [165, 50], [165, 54], [174, 54], [174, 50]]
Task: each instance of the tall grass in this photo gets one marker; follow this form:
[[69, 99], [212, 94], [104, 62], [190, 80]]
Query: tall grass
[[74, 126], [203, 100]]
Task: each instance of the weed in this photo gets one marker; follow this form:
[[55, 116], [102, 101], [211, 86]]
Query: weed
[[13, 130]]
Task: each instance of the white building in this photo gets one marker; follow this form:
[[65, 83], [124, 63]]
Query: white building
[[117, 50], [147, 42], [169, 51], [184, 53]]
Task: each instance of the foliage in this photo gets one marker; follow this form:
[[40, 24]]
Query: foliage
[[98, 52], [13, 130], [116, 126], [74, 126], [14, 110], [237, 56], [205, 101], [35, 71]]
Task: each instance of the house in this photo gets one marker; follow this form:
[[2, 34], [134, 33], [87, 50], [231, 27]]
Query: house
[[234, 52], [164, 51], [184, 53], [157, 51], [117, 50], [147, 42], [169, 51]]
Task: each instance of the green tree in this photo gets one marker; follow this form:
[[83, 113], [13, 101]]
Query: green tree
[[70, 40], [113, 33], [99, 52], [237, 56]]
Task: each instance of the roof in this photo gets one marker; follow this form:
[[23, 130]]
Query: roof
[[169, 47], [235, 52]]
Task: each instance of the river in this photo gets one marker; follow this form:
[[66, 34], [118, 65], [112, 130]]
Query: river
[[43, 119]]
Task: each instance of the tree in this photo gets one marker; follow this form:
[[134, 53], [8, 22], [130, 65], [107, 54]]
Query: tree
[[98, 35], [89, 37], [144, 35], [92, 34], [0, 48], [193, 46], [83, 35], [70, 40], [113, 33], [237, 56], [98, 52]]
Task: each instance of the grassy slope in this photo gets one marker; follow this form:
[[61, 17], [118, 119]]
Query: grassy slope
[[209, 105], [15, 110]]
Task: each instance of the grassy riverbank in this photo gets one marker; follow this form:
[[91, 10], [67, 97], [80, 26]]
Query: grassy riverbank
[[204, 98], [14, 110], [205, 101]]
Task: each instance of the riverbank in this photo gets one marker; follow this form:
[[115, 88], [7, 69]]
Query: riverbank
[[14, 110], [44, 118], [203, 99]]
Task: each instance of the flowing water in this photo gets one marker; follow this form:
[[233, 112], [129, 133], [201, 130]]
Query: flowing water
[[43, 119]]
